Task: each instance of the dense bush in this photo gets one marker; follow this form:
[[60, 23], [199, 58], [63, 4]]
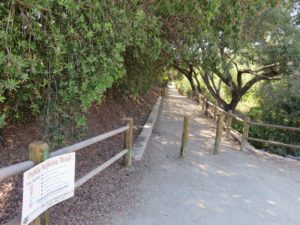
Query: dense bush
[[57, 57], [143, 69], [279, 103], [183, 86]]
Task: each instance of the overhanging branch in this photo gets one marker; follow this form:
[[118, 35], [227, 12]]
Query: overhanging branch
[[255, 72], [180, 69]]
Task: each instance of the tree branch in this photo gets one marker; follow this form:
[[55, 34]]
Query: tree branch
[[213, 83], [239, 75], [180, 69], [271, 66], [257, 78], [205, 78], [266, 75], [227, 80], [197, 81]]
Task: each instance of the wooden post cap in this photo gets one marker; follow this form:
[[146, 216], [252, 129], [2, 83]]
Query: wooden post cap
[[38, 144], [38, 151]]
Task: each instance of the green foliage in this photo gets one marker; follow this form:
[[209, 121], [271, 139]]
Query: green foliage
[[2, 120], [143, 68], [143, 62], [183, 86], [279, 103], [58, 57], [244, 42]]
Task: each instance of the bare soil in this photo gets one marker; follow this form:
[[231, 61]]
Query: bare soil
[[96, 197]]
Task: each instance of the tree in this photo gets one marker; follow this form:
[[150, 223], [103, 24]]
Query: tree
[[190, 74], [245, 43], [181, 22]]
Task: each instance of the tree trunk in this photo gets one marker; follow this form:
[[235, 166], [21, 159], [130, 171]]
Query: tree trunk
[[189, 75], [235, 99], [191, 83], [198, 84]]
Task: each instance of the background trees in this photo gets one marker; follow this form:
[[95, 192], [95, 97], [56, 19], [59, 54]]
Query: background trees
[[245, 43]]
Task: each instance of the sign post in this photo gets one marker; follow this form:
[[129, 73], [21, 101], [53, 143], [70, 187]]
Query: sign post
[[48, 183]]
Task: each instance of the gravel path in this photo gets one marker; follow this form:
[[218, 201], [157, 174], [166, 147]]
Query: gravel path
[[242, 188]]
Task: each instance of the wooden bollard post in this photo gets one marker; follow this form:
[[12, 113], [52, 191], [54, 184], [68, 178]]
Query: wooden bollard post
[[219, 132], [39, 152], [245, 133], [128, 141], [228, 123], [185, 136]]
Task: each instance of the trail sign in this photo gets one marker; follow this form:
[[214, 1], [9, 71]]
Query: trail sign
[[47, 184]]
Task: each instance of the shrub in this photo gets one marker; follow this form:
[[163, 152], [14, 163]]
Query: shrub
[[59, 57]]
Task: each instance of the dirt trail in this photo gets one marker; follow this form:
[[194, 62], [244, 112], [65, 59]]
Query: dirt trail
[[232, 188]]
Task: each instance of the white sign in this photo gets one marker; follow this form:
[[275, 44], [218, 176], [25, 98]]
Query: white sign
[[47, 184]]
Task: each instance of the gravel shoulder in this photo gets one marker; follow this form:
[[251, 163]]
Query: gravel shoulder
[[231, 188], [95, 200]]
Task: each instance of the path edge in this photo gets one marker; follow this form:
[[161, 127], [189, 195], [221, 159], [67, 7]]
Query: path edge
[[238, 136], [141, 142]]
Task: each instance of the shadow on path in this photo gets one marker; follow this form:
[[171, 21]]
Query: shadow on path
[[231, 188]]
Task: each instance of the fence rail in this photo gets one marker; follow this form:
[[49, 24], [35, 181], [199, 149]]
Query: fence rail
[[126, 154], [100, 168], [274, 143], [276, 126], [246, 123], [23, 166]]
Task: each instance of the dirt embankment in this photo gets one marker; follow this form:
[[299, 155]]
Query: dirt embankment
[[100, 119]]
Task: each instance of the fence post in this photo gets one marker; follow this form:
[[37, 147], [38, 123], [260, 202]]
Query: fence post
[[166, 91], [219, 132], [128, 141], [203, 103], [228, 123], [185, 136], [162, 91], [197, 98], [39, 152], [206, 107], [245, 133]]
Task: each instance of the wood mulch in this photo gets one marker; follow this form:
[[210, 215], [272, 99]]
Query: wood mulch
[[95, 200]]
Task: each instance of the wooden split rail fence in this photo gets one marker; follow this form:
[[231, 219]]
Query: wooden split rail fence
[[246, 124], [39, 151], [218, 114]]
